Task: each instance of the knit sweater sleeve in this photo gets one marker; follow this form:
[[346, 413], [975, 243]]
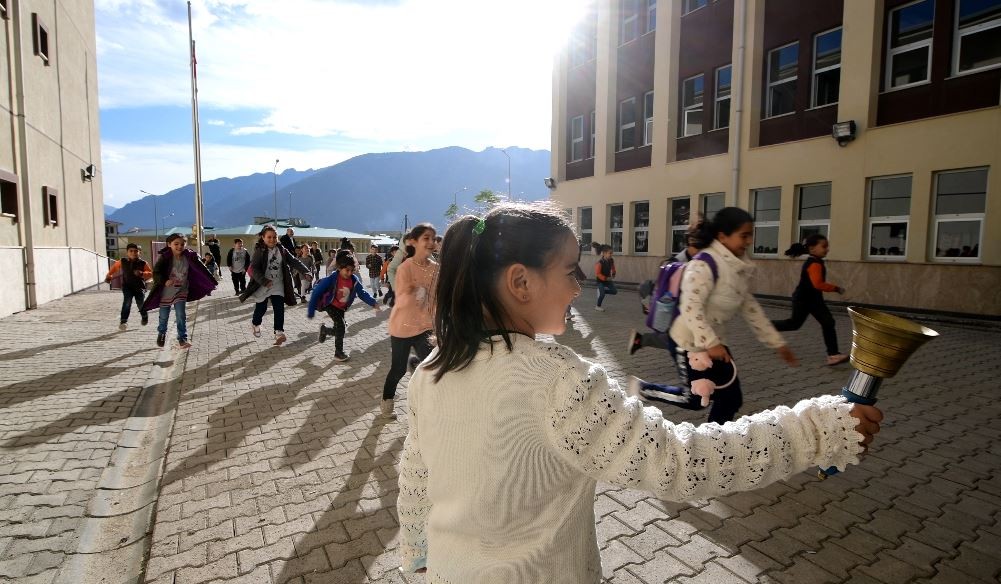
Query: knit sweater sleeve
[[594, 427], [759, 322], [412, 505]]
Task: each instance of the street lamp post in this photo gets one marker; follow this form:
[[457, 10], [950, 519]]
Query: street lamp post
[[289, 221], [455, 201], [508, 173], [275, 173], [156, 232], [164, 219]]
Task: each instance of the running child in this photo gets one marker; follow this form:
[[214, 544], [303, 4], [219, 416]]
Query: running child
[[387, 298], [509, 434], [373, 261], [271, 281], [304, 282], [133, 272], [178, 276], [238, 260], [604, 273], [808, 297], [334, 295], [209, 261]]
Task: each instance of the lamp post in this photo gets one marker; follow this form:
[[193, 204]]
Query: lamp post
[[275, 173], [289, 221], [156, 226], [164, 219], [508, 173], [455, 202]]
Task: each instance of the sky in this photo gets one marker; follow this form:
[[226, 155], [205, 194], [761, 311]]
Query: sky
[[314, 82]]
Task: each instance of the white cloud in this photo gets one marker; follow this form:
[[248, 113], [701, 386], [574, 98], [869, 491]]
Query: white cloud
[[216, 122]]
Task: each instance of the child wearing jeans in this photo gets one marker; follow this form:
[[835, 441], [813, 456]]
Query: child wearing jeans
[[178, 276], [271, 281], [509, 434], [133, 272], [604, 273], [334, 295]]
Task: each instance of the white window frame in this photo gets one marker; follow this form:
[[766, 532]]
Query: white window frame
[[766, 224], [580, 224], [618, 230], [938, 220], [629, 16], [768, 94], [576, 138], [872, 221], [631, 125], [717, 108], [687, 7], [695, 107], [651, 16], [890, 51], [704, 199], [957, 39], [590, 153], [675, 229], [800, 223], [636, 228], [813, 76], [648, 105]]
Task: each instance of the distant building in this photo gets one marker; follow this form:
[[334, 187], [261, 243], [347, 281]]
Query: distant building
[[51, 202], [875, 123], [111, 238]]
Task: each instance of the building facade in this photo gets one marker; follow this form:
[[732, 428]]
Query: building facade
[[51, 212], [875, 122], [111, 239]]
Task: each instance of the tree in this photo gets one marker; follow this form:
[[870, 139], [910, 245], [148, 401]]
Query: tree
[[487, 198], [451, 212]]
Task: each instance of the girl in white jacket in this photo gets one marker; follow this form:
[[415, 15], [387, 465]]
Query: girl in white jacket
[[509, 434]]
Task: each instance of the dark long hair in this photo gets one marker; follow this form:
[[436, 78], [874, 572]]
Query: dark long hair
[[471, 262], [414, 234], [725, 221], [798, 249]]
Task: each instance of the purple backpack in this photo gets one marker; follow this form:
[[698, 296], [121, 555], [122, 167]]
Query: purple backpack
[[666, 300]]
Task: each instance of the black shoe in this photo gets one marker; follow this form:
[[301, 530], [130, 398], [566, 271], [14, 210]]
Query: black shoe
[[145, 318], [340, 357], [323, 334], [161, 339], [635, 342], [412, 363]]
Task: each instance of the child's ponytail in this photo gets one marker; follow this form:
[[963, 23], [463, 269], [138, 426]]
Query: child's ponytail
[[725, 221]]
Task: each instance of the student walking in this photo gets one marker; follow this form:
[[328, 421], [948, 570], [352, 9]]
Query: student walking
[[209, 261], [238, 260], [509, 435], [808, 297], [410, 321], [373, 261], [389, 297], [271, 281], [317, 255], [334, 295], [178, 277], [216, 251], [709, 298], [604, 273], [303, 282], [331, 264], [133, 273]]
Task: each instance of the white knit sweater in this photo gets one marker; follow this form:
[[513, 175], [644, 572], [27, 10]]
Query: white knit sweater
[[498, 474]]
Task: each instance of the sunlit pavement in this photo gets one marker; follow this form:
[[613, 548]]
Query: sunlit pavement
[[277, 469]]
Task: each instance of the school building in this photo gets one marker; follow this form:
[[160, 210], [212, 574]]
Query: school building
[[875, 122], [52, 231]]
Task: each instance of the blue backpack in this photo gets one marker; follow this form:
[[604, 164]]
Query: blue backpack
[[666, 301]]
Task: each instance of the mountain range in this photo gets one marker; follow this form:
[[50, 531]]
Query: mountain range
[[370, 192]]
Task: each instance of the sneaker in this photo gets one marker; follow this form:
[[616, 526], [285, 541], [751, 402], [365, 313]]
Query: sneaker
[[412, 364], [184, 344], [256, 330], [161, 339], [340, 357], [633, 386], [599, 309], [122, 326], [836, 359], [386, 410], [635, 341], [280, 338], [145, 319], [323, 334]]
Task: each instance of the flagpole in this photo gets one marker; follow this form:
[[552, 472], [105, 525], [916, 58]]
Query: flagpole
[[196, 136]]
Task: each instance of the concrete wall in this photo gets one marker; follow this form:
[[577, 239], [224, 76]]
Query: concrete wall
[[12, 284]]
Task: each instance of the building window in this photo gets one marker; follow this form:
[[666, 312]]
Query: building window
[[40, 38], [50, 200], [584, 40], [577, 139], [814, 210], [977, 36], [711, 204], [8, 195], [586, 233], [680, 217], [692, 92], [693, 5], [721, 117], [648, 118], [641, 227], [959, 213], [651, 16], [783, 71], [590, 153], [627, 124], [629, 20], [826, 67], [889, 212], [767, 203], [615, 227], [908, 58]]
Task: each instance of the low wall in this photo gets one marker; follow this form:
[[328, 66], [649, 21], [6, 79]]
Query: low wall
[[59, 271], [12, 283]]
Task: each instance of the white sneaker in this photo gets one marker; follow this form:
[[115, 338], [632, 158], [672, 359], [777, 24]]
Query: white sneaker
[[279, 339], [386, 409], [633, 385], [122, 327], [599, 309]]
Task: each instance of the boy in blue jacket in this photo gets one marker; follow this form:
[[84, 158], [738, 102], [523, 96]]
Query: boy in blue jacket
[[334, 295]]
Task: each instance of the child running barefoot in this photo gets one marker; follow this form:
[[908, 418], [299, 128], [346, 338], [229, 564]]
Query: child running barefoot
[[604, 273], [271, 281], [133, 272], [509, 435], [178, 276], [334, 295], [808, 298]]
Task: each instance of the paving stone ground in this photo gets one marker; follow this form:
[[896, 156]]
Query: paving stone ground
[[279, 471]]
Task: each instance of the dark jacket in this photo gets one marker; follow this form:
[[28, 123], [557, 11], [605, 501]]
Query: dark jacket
[[288, 243], [215, 250], [258, 269], [324, 290], [200, 282], [229, 258], [374, 264], [128, 270]]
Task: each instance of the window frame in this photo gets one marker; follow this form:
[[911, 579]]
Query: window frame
[[815, 71], [677, 228], [957, 35], [593, 134], [800, 222], [770, 83], [703, 202], [938, 220], [872, 221], [629, 17], [777, 224], [648, 101], [636, 228], [630, 126], [8, 195], [613, 230], [685, 109], [50, 206], [576, 140], [687, 6], [40, 39], [890, 51], [717, 99], [651, 16], [580, 226]]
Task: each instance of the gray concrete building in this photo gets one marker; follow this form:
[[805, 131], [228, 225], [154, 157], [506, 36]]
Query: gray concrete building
[[51, 201]]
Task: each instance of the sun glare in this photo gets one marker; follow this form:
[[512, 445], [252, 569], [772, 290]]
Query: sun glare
[[559, 17]]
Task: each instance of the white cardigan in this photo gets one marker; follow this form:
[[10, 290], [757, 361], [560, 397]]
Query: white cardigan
[[498, 473]]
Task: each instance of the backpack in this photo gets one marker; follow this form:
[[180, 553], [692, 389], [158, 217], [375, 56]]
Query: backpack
[[666, 299]]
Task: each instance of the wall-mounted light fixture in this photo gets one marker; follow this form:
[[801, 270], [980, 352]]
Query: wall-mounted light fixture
[[550, 182], [843, 132], [88, 173]]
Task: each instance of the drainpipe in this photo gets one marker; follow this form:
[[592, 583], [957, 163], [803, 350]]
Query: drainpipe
[[20, 148], [738, 97]]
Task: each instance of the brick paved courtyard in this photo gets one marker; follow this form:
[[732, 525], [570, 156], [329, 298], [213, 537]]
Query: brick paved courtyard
[[278, 471]]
